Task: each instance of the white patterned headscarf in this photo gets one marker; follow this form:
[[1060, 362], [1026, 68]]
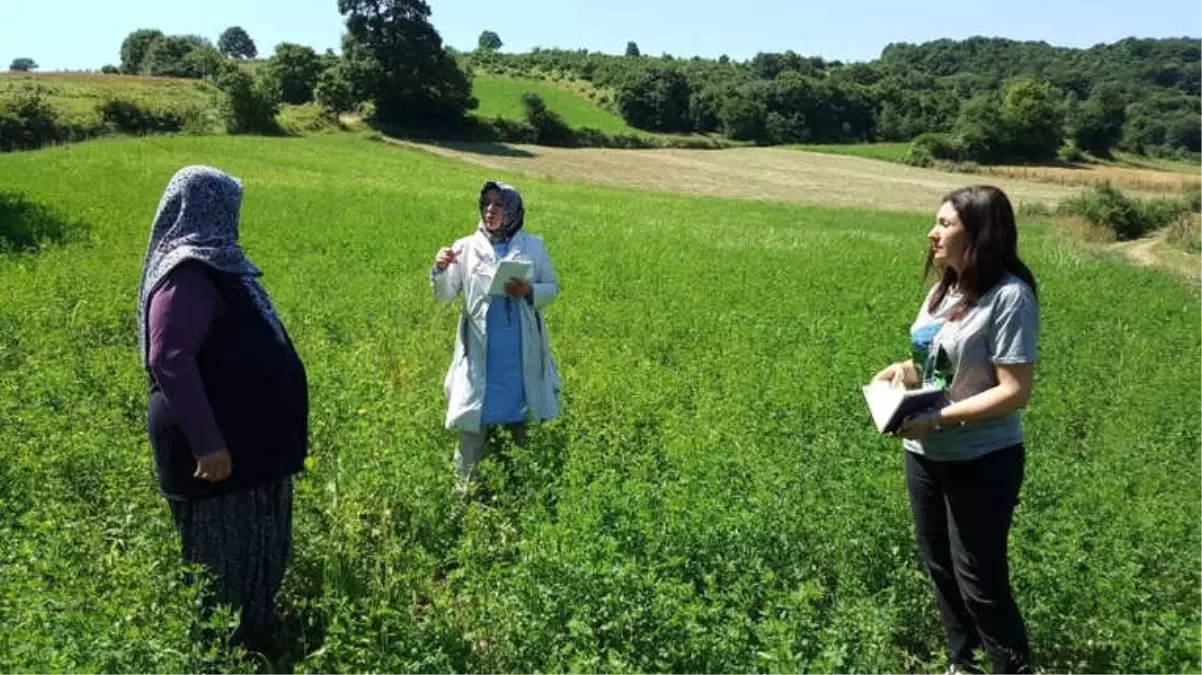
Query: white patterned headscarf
[[198, 220], [514, 211]]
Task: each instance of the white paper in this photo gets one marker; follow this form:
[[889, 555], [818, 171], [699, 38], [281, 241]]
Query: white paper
[[888, 403], [509, 269]]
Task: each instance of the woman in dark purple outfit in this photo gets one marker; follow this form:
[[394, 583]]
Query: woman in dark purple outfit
[[228, 407]]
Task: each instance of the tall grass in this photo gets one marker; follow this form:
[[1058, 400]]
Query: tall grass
[[713, 499]]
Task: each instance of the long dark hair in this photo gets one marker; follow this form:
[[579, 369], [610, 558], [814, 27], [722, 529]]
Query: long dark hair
[[991, 247]]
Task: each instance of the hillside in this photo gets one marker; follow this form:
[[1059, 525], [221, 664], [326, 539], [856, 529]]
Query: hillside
[[76, 95], [1140, 95], [502, 97]]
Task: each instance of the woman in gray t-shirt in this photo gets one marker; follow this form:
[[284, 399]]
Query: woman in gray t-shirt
[[975, 336]]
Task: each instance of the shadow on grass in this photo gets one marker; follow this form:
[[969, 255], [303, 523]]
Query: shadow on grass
[[302, 618], [490, 148], [464, 141], [27, 226], [1055, 164]]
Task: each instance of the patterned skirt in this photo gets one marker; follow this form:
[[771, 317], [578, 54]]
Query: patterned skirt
[[243, 539]]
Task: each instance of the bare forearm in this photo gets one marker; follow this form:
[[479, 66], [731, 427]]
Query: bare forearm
[[995, 402]]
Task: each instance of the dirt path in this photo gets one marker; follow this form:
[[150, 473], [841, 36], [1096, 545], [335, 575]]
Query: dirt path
[[1140, 252], [1154, 250]]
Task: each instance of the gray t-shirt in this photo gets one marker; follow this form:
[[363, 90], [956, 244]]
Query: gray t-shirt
[[1001, 329]]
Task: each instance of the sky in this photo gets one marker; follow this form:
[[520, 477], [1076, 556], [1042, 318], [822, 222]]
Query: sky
[[86, 34]]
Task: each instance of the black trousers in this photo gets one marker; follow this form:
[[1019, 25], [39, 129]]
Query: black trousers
[[962, 515]]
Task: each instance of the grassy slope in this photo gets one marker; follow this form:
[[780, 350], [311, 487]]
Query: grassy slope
[[76, 95], [1141, 162], [79, 93], [890, 152], [712, 500], [502, 96]]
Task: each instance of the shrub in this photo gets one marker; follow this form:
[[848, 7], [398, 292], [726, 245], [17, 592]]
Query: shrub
[[27, 121], [1108, 207], [1193, 198], [919, 155], [939, 146], [1186, 234], [595, 138], [306, 119], [1071, 153], [1034, 209], [134, 48], [172, 56], [235, 43], [503, 129], [1128, 218], [1171, 153], [293, 72], [23, 65], [247, 106], [133, 117], [334, 91], [549, 127], [1158, 213], [1032, 121]]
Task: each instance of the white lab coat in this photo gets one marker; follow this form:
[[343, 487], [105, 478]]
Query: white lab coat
[[471, 275]]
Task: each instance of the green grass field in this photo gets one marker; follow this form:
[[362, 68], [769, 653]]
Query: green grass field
[[75, 97], [713, 499], [890, 152], [502, 97], [1126, 159], [78, 94]]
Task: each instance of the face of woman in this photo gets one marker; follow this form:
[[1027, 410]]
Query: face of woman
[[948, 238], [494, 210]]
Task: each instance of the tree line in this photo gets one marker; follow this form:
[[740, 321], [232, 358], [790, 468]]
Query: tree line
[[989, 98], [391, 57], [980, 99]]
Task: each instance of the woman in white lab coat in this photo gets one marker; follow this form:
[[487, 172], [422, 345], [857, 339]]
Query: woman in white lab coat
[[502, 372]]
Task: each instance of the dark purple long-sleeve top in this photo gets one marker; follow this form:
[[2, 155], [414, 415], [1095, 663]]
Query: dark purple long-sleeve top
[[181, 312]]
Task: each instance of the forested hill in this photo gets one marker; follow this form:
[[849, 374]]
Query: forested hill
[[1137, 94]]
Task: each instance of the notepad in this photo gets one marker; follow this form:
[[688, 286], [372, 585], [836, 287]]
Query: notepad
[[509, 269], [890, 405]]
